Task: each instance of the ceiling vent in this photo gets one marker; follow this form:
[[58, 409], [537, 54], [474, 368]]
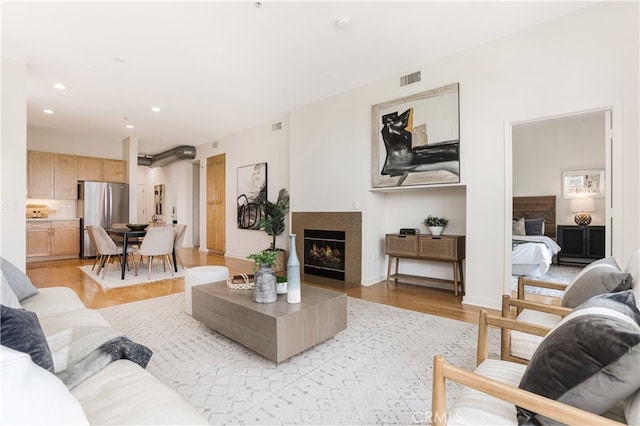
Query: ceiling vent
[[408, 79], [168, 157], [276, 126]]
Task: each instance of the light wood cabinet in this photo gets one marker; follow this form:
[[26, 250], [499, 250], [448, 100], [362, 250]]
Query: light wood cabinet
[[114, 170], [65, 237], [445, 248], [38, 239], [65, 178], [89, 168], [40, 167], [59, 239], [51, 175], [101, 169]]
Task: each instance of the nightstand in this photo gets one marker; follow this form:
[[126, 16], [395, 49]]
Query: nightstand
[[580, 245]]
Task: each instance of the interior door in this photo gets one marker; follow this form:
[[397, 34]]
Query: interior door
[[216, 203]]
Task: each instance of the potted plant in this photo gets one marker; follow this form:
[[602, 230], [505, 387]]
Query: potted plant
[[264, 285], [272, 222], [435, 224], [281, 284]]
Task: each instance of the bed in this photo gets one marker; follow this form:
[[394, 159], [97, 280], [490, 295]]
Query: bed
[[532, 253]]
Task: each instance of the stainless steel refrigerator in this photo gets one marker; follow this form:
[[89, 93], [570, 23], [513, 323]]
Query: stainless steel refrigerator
[[100, 204]]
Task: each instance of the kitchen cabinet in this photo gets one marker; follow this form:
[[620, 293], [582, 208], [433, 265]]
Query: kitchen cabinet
[[51, 175], [58, 239], [40, 166], [101, 169], [444, 248]]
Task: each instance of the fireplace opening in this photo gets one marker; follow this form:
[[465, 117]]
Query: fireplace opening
[[324, 253]]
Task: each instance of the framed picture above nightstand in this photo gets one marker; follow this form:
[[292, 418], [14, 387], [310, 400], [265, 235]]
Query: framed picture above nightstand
[[580, 244]]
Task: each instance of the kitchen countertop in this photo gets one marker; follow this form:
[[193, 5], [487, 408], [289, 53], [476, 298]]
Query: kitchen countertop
[[40, 219]]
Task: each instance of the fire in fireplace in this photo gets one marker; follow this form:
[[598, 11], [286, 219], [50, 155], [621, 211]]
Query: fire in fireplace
[[324, 253]]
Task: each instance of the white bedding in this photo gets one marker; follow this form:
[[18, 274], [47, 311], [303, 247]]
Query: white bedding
[[533, 259]]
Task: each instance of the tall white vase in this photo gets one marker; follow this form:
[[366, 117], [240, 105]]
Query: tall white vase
[[293, 272]]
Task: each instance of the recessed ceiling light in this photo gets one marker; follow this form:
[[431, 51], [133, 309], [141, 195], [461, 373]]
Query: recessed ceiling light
[[60, 86], [129, 126], [118, 59], [155, 109], [47, 111], [343, 23]]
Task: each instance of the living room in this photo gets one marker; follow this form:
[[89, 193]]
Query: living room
[[581, 62]]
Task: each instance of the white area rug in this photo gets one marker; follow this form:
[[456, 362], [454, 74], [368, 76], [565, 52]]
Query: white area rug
[[113, 277], [377, 371], [556, 273]]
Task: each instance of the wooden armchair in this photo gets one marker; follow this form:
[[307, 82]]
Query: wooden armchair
[[498, 398]]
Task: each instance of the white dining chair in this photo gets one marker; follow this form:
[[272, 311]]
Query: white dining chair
[[157, 242], [181, 230], [94, 247], [106, 248]]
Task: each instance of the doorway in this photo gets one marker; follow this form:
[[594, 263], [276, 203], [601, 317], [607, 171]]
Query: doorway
[[216, 203], [543, 150], [141, 215]]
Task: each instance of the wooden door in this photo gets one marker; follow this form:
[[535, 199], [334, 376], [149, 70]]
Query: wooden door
[[40, 174], [38, 238], [65, 177], [216, 203], [65, 238]]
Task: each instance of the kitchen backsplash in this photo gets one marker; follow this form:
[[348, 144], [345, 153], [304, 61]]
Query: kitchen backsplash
[[64, 208]]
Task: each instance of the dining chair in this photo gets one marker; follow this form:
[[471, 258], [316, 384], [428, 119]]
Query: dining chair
[[181, 230], [94, 247], [157, 242], [106, 248]]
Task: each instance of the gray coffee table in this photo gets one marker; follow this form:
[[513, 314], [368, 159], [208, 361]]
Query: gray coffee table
[[276, 330]]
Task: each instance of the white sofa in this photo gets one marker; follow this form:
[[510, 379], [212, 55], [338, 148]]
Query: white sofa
[[120, 393]]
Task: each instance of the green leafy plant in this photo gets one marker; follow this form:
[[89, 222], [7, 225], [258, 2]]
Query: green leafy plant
[[273, 215], [435, 221], [281, 279], [264, 257]]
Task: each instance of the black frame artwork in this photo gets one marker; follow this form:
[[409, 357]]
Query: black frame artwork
[[252, 190], [416, 139]]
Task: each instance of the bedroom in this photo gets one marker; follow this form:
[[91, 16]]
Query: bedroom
[[542, 151]]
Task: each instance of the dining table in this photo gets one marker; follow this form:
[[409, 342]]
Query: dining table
[[127, 234]]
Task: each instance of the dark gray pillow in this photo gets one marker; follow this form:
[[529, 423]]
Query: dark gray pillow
[[590, 360], [21, 330], [534, 226], [18, 281], [601, 276]]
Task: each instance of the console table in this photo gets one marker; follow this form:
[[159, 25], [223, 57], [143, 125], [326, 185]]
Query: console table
[[580, 245], [443, 248]]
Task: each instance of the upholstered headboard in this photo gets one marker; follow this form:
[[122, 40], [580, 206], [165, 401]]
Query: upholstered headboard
[[535, 207]]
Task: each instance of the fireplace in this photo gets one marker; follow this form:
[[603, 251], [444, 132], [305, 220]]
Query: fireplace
[[342, 233], [324, 253]]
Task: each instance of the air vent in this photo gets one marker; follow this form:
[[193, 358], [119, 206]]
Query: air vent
[[214, 145], [405, 80], [276, 126]]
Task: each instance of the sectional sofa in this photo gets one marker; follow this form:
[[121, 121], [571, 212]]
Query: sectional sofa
[[62, 363]]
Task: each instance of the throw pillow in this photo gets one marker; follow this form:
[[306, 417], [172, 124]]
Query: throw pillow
[[19, 282], [7, 296], [20, 330], [33, 396], [519, 227], [590, 359], [602, 276], [534, 226]]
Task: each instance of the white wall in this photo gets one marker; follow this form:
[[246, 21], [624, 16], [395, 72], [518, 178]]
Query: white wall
[[583, 61], [68, 142], [542, 150], [259, 144], [13, 162]]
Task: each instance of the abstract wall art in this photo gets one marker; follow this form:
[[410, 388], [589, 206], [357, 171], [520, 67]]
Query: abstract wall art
[[252, 190], [583, 183], [416, 139]]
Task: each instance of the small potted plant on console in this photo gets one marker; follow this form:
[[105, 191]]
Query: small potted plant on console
[[435, 224]]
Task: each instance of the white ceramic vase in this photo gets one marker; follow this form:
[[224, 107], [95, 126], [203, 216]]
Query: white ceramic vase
[[281, 288], [293, 273], [436, 230]]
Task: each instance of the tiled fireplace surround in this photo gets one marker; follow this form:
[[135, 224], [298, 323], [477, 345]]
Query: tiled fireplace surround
[[348, 222]]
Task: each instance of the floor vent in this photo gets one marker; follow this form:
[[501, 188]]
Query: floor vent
[[276, 126], [405, 80]]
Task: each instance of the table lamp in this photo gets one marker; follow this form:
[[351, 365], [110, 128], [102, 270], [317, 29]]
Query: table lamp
[[581, 206]]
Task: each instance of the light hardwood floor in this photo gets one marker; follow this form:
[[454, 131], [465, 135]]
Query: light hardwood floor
[[66, 273]]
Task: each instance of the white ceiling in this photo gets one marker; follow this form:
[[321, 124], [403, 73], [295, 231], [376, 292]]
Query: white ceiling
[[215, 68]]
